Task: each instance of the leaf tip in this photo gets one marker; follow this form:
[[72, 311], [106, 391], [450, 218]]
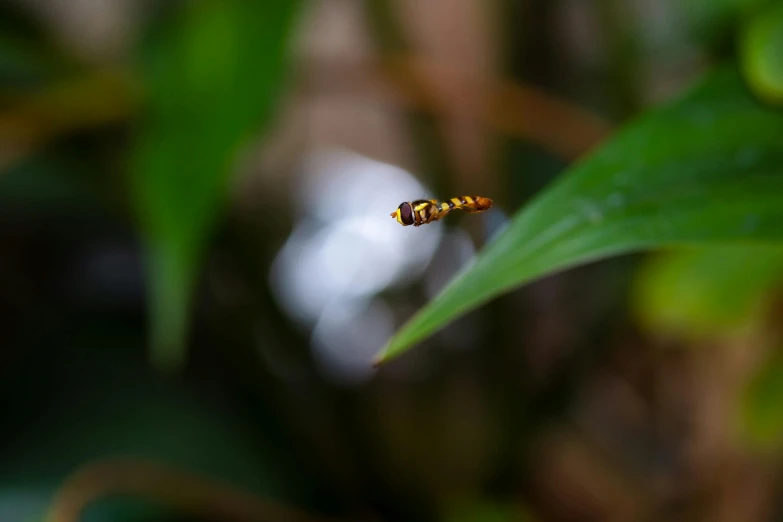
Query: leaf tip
[[384, 354], [379, 359]]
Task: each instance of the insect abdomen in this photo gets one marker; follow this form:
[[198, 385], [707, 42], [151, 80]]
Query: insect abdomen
[[471, 203]]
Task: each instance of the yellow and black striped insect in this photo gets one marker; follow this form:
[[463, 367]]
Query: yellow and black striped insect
[[423, 211]]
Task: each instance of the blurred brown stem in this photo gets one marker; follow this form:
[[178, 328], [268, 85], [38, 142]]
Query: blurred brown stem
[[106, 97], [101, 98], [181, 491], [518, 110]]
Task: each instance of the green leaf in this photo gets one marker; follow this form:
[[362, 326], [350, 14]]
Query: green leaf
[[712, 20], [481, 510], [761, 421], [707, 291], [706, 169], [762, 54], [212, 79]]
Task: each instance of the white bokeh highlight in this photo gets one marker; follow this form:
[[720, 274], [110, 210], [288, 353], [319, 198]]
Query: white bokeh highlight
[[344, 250]]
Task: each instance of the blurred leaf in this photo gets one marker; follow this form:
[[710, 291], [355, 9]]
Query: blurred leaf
[[706, 291], [463, 510], [762, 54], [714, 19], [704, 170], [762, 412], [90, 403], [212, 80]]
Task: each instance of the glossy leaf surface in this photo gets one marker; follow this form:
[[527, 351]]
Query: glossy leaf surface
[[706, 169]]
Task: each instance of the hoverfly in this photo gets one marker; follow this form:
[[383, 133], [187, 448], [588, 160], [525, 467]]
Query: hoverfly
[[423, 211]]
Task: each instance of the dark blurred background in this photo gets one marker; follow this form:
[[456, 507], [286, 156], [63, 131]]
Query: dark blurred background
[[197, 266]]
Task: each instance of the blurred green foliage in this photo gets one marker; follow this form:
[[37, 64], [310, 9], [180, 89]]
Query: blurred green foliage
[[762, 53], [135, 414], [715, 21], [761, 417], [703, 172], [707, 292], [486, 511], [211, 78]]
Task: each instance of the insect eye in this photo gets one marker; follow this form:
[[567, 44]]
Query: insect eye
[[406, 214]]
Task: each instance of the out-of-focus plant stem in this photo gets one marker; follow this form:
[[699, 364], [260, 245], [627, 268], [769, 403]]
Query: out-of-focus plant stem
[[179, 490], [100, 98], [517, 109], [111, 96]]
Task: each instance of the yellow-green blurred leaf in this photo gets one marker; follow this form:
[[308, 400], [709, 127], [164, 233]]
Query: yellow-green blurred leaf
[[762, 406], [486, 511], [714, 19], [762, 53], [706, 291]]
